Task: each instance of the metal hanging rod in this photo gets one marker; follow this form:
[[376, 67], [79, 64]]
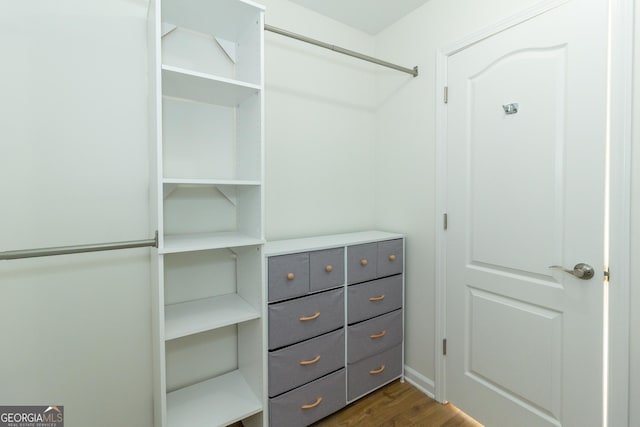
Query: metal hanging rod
[[66, 250], [413, 71]]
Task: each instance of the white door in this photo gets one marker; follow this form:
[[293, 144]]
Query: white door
[[525, 191]]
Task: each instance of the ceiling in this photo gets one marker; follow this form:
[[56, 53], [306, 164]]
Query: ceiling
[[370, 16]]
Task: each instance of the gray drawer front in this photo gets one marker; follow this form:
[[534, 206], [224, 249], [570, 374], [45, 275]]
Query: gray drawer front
[[281, 285], [320, 356], [390, 259], [285, 326], [357, 272], [386, 332], [363, 376], [374, 298], [326, 269], [286, 410]]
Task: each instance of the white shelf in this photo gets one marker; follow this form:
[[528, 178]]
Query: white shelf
[[208, 103], [188, 181], [217, 402], [195, 86], [204, 241], [197, 316]]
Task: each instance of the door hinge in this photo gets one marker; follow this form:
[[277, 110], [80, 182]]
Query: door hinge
[[445, 221], [446, 94], [444, 347], [606, 274]]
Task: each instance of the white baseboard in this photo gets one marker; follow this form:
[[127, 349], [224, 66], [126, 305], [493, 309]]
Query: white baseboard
[[419, 381]]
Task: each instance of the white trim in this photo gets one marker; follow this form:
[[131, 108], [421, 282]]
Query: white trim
[[441, 209], [441, 173], [621, 122], [419, 381]]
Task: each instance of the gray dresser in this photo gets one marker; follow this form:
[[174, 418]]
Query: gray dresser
[[335, 322]]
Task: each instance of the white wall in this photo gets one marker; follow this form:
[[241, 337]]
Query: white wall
[[75, 329], [634, 416], [320, 130]]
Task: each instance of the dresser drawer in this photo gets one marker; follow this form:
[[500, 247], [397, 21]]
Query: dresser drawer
[[288, 276], [374, 298], [309, 403], [326, 269], [361, 262], [374, 336], [390, 257], [301, 363], [371, 373], [303, 318]]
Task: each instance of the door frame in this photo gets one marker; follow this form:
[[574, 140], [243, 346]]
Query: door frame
[[619, 132]]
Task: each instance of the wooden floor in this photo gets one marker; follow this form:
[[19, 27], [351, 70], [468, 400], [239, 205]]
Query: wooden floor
[[398, 404]]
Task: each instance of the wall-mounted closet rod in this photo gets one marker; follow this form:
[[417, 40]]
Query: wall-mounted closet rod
[[413, 71], [66, 250]]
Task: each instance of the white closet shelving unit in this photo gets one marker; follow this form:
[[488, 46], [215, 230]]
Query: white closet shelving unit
[[206, 74]]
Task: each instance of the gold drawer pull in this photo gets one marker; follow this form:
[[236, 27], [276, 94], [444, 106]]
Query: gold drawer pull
[[291, 276], [377, 371], [313, 405], [313, 317], [376, 336], [364, 262], [380, 298], [310, 362], [328, 268], [392, 258]]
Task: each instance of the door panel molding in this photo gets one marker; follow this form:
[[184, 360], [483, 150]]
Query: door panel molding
[[495, 325]]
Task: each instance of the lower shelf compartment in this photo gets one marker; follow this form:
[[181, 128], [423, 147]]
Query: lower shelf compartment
[[217, 402]]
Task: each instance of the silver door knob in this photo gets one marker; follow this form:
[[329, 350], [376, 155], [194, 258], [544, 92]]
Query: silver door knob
[[581, 270]]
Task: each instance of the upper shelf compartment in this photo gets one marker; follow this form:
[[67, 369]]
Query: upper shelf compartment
[[238, 14], [226, 45]]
